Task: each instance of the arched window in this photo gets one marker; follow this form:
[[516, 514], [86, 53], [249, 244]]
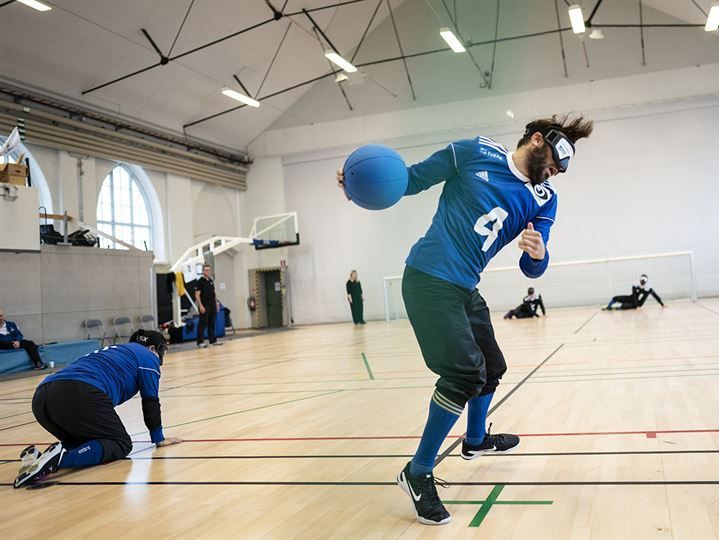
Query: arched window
[[123, 212]]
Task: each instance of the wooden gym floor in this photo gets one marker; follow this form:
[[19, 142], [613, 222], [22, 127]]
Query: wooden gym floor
[[300, 434]]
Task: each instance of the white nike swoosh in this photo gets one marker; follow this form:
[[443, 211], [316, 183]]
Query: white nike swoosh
[[414, 496]]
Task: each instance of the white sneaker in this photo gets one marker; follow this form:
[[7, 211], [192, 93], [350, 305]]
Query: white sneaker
[[47, 463]]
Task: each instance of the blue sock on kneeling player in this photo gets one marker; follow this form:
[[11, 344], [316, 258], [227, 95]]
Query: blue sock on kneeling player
[[87, 454], [478, 408], [443, 414]]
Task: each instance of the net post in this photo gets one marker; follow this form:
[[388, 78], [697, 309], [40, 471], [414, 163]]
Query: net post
[[692, 271]]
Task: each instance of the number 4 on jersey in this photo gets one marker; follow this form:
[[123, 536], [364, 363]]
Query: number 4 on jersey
[[497, 215]]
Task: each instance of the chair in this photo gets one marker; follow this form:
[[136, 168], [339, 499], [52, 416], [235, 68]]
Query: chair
[[123, 328], [95, 326], [147, 322]]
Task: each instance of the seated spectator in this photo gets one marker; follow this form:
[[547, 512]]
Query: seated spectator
[[11, 338], [528, 307]]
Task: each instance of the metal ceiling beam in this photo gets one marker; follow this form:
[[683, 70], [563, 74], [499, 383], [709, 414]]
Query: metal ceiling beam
[[699, 8], [399, 44], [376, 9], [163, 59], [641, 32], [272, 62], [215, 42], [182, 25], [561, 40], [588, 22], [40, 103], [376, 62], [318, 29], [494, 47], [342, 90], [471, 56]]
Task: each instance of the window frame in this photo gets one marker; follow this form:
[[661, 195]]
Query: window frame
[[135, 185]]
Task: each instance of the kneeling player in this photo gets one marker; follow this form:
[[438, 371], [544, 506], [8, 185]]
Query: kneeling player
[[77, 405]]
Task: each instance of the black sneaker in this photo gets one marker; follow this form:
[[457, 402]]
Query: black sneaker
[[47, 463], [504, 442], [420, 489], [39, 367]]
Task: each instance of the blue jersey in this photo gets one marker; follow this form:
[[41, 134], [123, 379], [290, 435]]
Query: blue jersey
[[120, 371], [486, 203]]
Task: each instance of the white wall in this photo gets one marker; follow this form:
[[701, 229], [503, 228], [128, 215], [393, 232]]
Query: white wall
[[646, 182]]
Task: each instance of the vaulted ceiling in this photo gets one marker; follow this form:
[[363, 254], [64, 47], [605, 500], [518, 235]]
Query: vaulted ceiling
[[80, 45]]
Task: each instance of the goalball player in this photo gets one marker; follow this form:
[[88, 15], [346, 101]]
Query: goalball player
[[77, 405], [490, 197]]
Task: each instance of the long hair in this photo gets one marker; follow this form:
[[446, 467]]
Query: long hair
[[574, 128], [351, 272]]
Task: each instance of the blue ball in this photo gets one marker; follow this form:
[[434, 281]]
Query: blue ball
[[375, 177]]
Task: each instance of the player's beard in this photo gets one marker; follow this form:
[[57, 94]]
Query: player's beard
[[537, 164]]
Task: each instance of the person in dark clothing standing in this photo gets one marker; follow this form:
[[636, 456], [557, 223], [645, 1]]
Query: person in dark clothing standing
[[207, 304], [11, 338], [529, 306], [356, 298]]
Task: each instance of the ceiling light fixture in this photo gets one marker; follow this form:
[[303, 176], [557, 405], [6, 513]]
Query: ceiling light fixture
[[336, 59], [510, 113], [713, 19], [596, 34], [242, 98], [34, 4], [451, 40], [577, 19]]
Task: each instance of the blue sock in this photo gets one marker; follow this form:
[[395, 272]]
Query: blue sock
[[443, 414], [477, 419], [87, 454]]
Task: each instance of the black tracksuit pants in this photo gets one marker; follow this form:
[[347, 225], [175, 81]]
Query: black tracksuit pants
[[29, 347], [76, 412]]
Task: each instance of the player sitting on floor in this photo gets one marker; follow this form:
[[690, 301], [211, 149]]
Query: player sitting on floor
[[77, 405], [529, 306], [639, 295]]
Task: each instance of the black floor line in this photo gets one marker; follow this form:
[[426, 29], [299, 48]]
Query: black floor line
[[586, 322], [707, 308], [456, 443], [228, 373], [17, 425], [352, 484], [402, 456]]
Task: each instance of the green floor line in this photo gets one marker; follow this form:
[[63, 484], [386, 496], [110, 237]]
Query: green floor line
[[491, 500], [499, 502], [486, 506], [366, 364]]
